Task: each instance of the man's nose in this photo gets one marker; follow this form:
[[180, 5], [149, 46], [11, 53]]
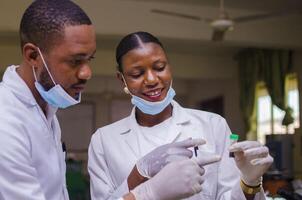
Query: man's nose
[[85, 72]]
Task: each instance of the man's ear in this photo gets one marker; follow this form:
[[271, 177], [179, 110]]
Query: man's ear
[[30, 54]]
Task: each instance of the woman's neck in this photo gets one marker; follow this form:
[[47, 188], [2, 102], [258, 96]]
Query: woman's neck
[[152, 120]]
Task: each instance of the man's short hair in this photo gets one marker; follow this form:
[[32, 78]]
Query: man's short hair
[[43, 22]]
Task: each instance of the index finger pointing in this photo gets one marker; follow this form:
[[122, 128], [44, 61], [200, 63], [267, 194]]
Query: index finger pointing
[[207, 158], [190, 143]]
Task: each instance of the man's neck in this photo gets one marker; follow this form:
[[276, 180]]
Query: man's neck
[[26, 73]]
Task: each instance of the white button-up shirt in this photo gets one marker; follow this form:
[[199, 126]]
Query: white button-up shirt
[[114, 150], [32, 163]]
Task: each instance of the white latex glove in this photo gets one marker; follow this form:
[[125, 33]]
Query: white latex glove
[[177, 180], [153, 162], [252, 159]]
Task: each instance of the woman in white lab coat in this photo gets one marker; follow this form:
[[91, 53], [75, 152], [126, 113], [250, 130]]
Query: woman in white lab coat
[[128, 152]]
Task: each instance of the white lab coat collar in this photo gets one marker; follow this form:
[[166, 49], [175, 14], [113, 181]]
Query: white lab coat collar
[[16, 84], [130, 131]]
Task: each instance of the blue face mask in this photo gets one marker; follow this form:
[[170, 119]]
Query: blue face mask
[[153, 108], [148, 107], [56, 96]]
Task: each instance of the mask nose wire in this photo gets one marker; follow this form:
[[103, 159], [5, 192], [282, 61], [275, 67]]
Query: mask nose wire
[[45, 65]]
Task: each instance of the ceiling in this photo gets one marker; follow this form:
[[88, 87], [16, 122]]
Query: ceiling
[[115, 18], [257, 5]]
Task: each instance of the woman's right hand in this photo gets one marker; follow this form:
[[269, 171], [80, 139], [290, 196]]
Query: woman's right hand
[[153, 162], [177, 180]]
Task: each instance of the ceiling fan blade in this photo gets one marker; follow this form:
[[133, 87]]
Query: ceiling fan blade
[[263, 16], [181, 15], [218, 35]]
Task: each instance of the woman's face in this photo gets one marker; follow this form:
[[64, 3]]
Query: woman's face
[[147, 72]]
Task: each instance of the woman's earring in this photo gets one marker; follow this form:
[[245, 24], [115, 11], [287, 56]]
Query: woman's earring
[[126, 90]]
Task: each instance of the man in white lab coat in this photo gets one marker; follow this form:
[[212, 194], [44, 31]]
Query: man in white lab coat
[[57, 43]]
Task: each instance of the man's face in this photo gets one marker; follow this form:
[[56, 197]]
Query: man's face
[[147, 72], [68, 60]]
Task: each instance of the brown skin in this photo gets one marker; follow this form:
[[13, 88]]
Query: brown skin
[[147, 69], [67, 60], [129, 196], [249, 196]]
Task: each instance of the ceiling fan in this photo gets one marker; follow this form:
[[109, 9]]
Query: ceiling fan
[[223, 23]]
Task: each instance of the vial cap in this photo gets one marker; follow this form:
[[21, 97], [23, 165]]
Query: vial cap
[[234, 136]]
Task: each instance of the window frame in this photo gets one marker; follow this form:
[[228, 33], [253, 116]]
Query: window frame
[[291, 83]]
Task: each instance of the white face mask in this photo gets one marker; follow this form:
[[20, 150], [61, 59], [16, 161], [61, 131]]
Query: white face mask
[[55, 96], [152, 108]]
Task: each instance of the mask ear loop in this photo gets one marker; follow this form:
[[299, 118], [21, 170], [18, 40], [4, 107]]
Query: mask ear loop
[[126, 90], [45, 65], [33, 67]]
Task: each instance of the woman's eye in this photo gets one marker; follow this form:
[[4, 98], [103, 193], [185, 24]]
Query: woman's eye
[[136, 75], [160, 67]]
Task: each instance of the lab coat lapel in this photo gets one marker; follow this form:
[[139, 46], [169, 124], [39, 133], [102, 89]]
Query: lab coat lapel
[[130, 135], [179, 120]]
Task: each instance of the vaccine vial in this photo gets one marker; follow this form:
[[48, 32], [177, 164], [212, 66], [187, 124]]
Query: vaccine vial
[[233, 139]]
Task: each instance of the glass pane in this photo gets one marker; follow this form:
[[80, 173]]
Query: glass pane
[[278, 117], [264, 115], [264, 107], [278, 113], [263, 118], [293, 102], [262, 130], [278, 127]]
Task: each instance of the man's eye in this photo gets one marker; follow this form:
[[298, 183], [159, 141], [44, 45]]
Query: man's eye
[[91, 58], [76, 62]]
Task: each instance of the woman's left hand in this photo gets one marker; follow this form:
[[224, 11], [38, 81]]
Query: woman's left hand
[[252, 159]]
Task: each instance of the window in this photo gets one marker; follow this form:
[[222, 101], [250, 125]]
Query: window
[[269, 117]]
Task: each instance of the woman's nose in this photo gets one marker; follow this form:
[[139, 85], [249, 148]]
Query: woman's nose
[[150, 78]]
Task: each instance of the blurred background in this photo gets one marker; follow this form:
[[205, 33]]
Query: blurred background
[[240, 59]]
